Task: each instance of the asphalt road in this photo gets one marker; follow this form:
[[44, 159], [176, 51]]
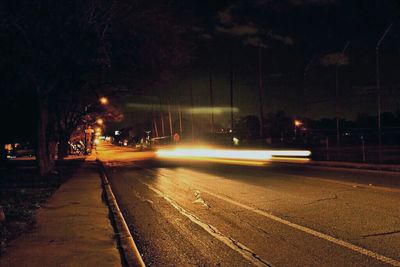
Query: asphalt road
[[275, 215]]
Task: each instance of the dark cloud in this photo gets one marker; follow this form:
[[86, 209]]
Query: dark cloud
[[287, 40], [205, 36], [334, 59], [239, 30], [312, 2], [254, 41], [238, 20], [279, 4], [197, 29], [225, 16]]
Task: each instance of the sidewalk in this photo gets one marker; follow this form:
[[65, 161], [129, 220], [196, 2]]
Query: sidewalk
[[73, 228]]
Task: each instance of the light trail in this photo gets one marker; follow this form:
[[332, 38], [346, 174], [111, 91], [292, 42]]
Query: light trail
[[290, 153], [245, 157], [215, 153]]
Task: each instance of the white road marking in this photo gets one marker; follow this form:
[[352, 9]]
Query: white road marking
[[304, 229], [246, 252], [310, 231]]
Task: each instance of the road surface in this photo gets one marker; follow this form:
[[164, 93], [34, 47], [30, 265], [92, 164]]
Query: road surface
[[275, 215]]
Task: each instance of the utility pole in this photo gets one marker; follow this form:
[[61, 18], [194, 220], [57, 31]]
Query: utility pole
[[180, 119], [170, 121], [154, 122], [378, 88], [231, 86], [161, 116], [211, 103], [162, 123], [191, 109], [155, 127], [305, 73], [180, 113], [260, 93], [337, 97]]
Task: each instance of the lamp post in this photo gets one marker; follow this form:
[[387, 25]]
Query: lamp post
[[305, 73], [297, 124], [260, 93], [337, 97], [88, 130], [378, 88], [231, 86]]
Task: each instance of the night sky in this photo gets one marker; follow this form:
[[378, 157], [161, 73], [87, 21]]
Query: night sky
[[295, 35]]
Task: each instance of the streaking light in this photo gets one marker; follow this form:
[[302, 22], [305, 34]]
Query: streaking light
[[259, 155], [290, 153], [233, 156], [245, 157]]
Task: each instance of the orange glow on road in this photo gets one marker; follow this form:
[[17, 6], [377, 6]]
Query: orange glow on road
[[224, 161], [289, 159]]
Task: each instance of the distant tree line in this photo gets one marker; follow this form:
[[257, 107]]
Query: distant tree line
[[280, 127]]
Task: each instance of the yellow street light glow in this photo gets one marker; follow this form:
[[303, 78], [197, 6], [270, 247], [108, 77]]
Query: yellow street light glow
[[297, 123], [100, 121], [103, 100]]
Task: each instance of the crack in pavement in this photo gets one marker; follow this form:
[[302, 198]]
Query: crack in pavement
[[322, 199], [143, 199], [382, 234]]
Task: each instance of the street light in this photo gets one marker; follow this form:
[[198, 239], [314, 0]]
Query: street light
[[378, 88], [337, 96], [99, 121], [297, 123], [103, 100]]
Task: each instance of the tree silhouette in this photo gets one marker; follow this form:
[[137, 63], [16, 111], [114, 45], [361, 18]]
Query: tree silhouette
[[66, 52]]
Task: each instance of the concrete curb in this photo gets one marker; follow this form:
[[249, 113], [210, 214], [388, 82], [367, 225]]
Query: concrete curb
[[129, 250]]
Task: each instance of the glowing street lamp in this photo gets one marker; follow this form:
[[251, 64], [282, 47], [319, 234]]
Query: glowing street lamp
[[99, 121], [98, 131], [297, 123], [103, 100]]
